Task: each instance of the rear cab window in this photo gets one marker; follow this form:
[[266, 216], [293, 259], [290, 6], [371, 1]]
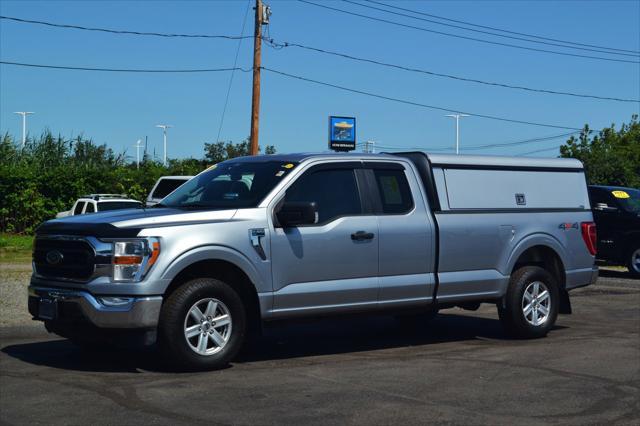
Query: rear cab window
[[393, 189]]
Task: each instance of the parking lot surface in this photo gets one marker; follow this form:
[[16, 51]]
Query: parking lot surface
[[457, 369]]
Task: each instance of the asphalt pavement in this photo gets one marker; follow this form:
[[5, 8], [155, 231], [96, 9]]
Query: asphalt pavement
[[458, 369]]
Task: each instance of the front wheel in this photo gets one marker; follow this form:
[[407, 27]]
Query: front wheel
[[202, 325], [633, 262], [530, 307]]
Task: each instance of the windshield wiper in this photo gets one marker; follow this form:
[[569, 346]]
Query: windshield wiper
[[196, 206]]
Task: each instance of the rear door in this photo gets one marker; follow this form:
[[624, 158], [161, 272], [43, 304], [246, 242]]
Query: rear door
[[331, 265], [407, 236]]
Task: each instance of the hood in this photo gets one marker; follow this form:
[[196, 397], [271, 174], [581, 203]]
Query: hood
[[129, 222]]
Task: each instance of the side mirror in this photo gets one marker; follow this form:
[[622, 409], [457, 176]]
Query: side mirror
[[297, 213], [603, 207]]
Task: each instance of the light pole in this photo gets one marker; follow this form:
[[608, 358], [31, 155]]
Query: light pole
[[138, 146], [457, 117], [164, 128], [24, 125]]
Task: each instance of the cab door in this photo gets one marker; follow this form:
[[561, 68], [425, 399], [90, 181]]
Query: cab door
[[331, 265], [407, 235]]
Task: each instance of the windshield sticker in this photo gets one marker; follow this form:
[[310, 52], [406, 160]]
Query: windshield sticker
[[620, 194], [288, 166], [280, 173]]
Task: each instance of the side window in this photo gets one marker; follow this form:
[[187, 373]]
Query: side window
[[90, 208], [335, 192], [79, 207], [601, 197], [394, 191]]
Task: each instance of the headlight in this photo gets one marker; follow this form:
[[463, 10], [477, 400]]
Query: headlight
[[132, 259]]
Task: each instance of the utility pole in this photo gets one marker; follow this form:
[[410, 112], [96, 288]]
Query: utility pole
[[164, 128], [24, 125], [262, 18], [457, 117], [138, 146], [370, 147]]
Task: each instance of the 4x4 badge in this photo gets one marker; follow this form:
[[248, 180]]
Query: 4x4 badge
[[567, 226]]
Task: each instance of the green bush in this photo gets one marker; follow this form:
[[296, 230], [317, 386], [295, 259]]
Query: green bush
[[49, 173]]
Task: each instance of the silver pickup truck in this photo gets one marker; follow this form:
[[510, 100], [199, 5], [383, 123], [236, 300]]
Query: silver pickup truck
[[262, 238]]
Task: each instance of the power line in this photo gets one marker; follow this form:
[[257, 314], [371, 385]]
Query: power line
[[418, 104], [132, 70], [235, 63], [500, 29], [281, 45], [522, 142], [539, 150], [486, 146], [485, 32], [466, 37], [297, 77], [123, 32]]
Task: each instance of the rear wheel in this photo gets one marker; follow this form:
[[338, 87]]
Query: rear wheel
[[530, 307], [202, 324], [633, 262]]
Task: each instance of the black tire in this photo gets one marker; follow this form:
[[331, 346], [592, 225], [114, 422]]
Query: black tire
[[512, 309], [173, 320], [633, 259]]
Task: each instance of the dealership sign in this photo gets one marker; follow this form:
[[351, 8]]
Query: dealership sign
[[342, 133]]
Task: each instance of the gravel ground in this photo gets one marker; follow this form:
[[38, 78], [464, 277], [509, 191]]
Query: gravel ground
[[14, 279]]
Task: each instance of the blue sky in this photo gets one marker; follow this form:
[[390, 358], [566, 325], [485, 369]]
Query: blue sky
[[117, 109]]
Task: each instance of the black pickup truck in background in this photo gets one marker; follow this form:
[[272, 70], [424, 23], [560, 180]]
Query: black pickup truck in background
[[616, 211]]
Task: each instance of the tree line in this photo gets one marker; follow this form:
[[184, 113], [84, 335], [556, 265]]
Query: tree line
[[49, 173]]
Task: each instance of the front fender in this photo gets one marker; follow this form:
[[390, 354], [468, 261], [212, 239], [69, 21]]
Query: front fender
[[223, 253]]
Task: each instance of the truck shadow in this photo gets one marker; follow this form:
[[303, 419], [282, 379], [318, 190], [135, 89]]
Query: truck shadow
[[283, 341], [609, 273]]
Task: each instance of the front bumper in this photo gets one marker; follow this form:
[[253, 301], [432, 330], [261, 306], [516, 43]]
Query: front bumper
[[78, 305]]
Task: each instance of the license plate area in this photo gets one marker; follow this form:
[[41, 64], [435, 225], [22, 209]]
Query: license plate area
[[47, 309]]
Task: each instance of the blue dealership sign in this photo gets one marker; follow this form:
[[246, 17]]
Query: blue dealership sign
[[342, 133]]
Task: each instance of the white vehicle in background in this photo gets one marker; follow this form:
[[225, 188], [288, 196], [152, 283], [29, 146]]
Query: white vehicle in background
[[100, 203], [165, 186]]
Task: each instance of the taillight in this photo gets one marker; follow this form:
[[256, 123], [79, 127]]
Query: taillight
[[589, 236]]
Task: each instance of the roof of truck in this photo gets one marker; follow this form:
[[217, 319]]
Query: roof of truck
[[435, 159]]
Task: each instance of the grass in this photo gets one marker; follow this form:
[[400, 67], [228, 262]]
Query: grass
[[15, 248]]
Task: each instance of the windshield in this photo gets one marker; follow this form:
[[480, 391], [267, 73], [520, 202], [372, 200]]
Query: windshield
[[628, 199], [118, 205], [231, 184], [166, 186]]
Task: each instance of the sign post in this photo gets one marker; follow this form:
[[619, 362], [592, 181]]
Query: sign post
[[342, 133]]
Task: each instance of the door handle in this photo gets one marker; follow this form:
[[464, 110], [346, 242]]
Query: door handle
[[362, 235]]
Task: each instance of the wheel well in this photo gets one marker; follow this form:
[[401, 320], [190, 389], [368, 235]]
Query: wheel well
[[546, 258], [230, 274]]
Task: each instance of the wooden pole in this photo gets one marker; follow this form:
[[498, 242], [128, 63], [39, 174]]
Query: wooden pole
[[255, 100]]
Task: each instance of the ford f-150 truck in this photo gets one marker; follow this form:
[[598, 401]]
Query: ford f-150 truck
[[256, 239]]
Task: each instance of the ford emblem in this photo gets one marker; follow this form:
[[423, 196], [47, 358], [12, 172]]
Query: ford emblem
[[54, 257]]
